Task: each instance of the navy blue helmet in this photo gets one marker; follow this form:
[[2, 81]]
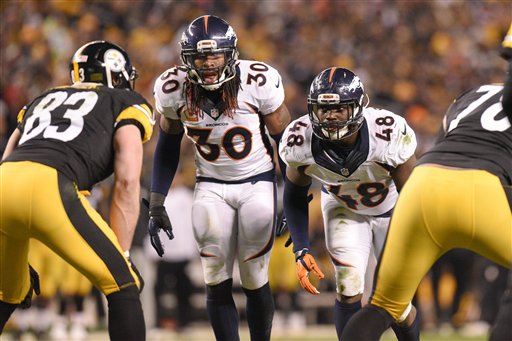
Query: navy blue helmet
[[335, 88], [103, 62], [209, 35]]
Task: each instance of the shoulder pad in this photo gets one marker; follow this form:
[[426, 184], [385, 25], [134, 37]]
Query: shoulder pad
[[168, 92], [295, 145]]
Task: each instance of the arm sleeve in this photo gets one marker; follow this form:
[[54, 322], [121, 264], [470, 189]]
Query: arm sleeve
[[295, 204], [165, 161]]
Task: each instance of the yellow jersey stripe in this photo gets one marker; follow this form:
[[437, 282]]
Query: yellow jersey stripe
[[142, 114]]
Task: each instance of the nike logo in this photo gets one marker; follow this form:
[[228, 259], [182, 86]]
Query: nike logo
[[405, 130], [278, 82]]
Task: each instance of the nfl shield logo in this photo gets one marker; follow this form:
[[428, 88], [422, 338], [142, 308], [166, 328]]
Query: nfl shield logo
[[344, 172], [214, 113]]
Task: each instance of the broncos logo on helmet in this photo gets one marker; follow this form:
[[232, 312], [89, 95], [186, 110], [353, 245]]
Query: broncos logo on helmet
[[209, 35], [103, 62], [334, 89]]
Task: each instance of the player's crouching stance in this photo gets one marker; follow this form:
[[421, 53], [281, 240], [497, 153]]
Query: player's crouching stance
[[472, 157], [362, 157], [68, 139]]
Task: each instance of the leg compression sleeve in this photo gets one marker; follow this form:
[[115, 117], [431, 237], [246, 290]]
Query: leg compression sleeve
[[125, 317], [260, 312], [501, 328], [368, 324], [222, 311], [342, 313], [410, 333], [6, 310]]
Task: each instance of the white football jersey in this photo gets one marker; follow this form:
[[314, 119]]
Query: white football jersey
[[385, 141], [227, 148]]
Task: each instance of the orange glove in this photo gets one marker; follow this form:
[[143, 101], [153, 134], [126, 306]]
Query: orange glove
[[306, 263]]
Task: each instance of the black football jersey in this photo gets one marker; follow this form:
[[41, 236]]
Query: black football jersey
[[476, 134], [71, 129]]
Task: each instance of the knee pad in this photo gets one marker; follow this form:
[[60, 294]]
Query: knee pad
[[349, 281]]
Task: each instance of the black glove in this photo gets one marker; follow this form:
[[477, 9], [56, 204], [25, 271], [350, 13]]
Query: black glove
[[34, 288], [158, 219], [506, 46]]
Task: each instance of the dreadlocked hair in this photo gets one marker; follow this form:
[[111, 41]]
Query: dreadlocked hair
[[196, 95]]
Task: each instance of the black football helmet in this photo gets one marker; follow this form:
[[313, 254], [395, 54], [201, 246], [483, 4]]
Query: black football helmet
[[103, 62], [205, 35], [334, 88]]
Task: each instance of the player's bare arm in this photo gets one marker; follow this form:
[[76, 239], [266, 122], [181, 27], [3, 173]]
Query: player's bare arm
[[401, 173], [277, 121], [12, 143], [124, 210]]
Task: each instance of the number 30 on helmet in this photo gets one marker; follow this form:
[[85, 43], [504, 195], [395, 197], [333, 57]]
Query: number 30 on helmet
[[105, 63]]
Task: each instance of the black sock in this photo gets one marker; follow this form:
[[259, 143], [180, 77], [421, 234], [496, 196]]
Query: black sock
[[6, 310], [410, 333], [342, 313], [260, 312], [222, 311], [125, 316], [79, 302], [501, 330], [368, 324]]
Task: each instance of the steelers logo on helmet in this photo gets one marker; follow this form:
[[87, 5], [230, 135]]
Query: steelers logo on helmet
[[115, 60]]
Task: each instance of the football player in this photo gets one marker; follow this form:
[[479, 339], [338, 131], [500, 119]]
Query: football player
[[456, 197], [228, 108], [68, 139], [362, 156]]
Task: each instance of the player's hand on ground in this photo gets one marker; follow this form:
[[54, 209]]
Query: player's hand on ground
[[158, 220], [306, 263]]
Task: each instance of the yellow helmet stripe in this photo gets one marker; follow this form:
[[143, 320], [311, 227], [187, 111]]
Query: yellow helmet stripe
[[76, 75]]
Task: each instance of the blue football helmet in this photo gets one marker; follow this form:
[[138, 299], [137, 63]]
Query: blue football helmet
[[103, 62], [208, 35], [336, 88]]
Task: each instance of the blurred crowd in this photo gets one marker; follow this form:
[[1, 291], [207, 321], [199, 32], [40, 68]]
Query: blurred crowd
[[413, 57]]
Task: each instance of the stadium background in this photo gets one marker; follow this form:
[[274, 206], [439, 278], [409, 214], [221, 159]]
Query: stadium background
[[414, 57]]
